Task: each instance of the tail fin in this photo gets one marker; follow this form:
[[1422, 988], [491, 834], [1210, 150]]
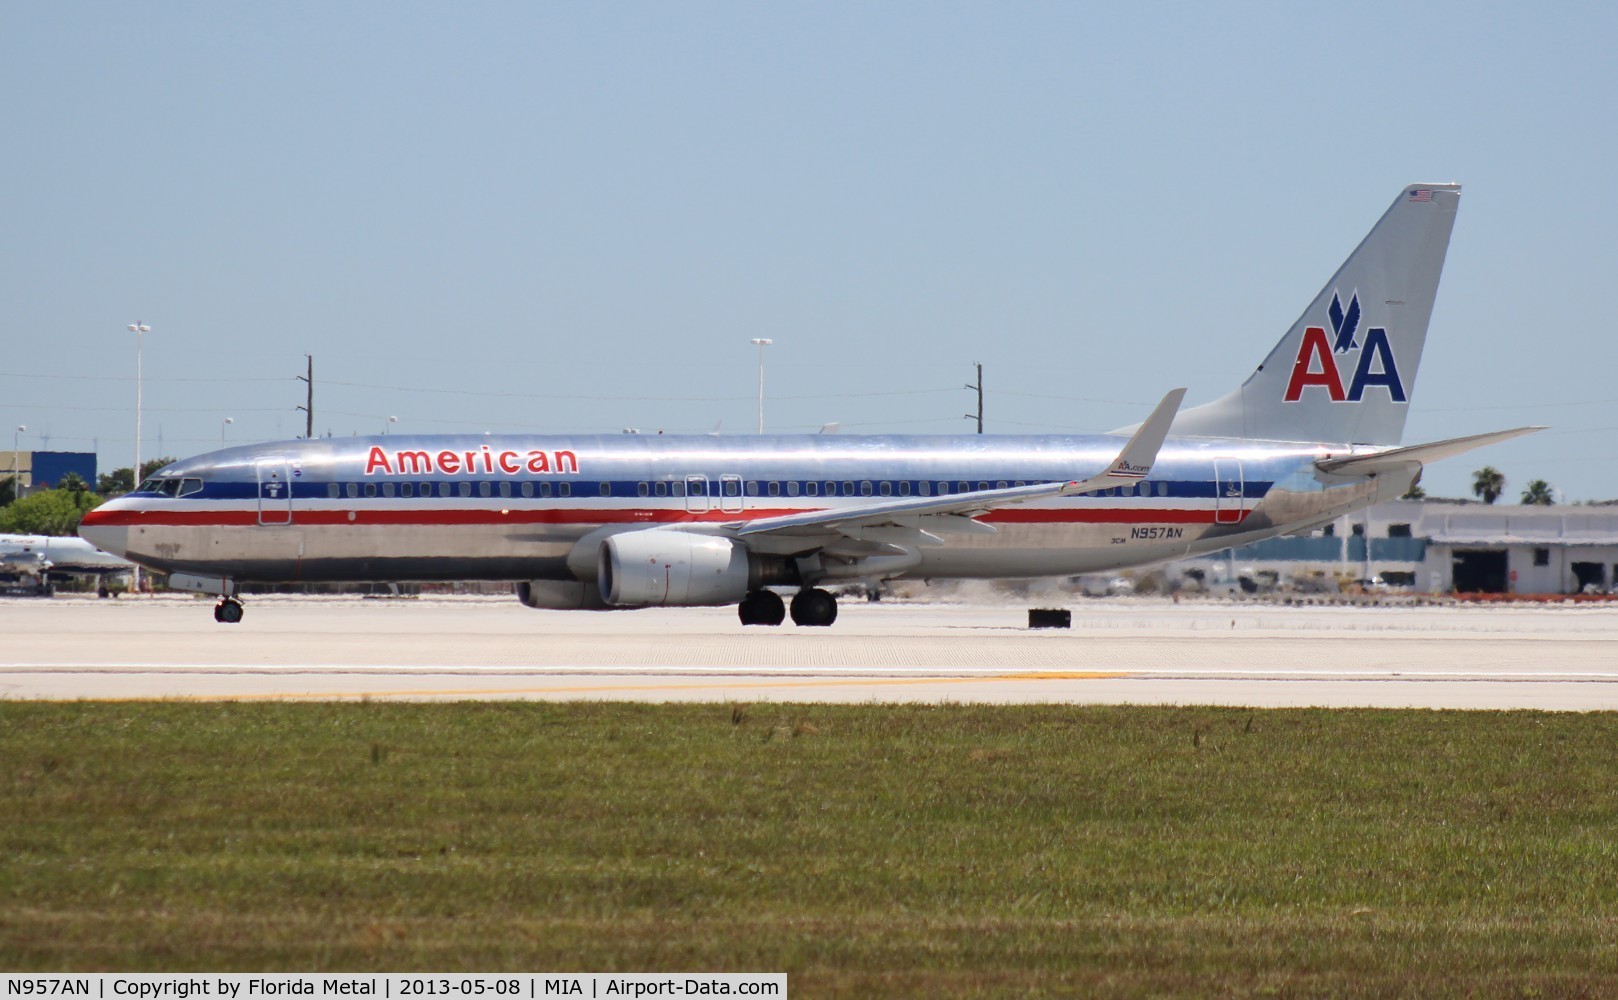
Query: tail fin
[[1344, 372]]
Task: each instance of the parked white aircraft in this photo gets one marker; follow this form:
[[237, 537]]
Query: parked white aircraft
[[28, 559], [629, 521]]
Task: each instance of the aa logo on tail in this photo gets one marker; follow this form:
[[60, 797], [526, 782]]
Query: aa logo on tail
[[1317, 358]]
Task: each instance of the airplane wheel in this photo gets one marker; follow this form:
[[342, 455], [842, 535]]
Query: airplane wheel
[[762, 607], [103, 593], [814, 607], [228, 611]]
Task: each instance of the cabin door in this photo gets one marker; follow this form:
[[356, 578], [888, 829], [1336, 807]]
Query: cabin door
[[730, 493], [274, 492], [696, 494], [1227, 490]]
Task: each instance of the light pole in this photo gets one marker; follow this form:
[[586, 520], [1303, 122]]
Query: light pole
[[225, 423], [762, 343], [137, 328], [16, 463]]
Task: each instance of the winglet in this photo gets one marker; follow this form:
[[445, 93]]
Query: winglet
[[1135, 461]]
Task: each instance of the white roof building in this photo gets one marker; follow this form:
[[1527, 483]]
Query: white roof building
[[1441, 546]]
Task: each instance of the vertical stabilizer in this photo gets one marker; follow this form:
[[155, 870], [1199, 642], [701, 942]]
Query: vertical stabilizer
[[1345, 371]]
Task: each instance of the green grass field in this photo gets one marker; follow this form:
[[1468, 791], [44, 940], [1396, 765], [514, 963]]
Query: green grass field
[[912, 850]]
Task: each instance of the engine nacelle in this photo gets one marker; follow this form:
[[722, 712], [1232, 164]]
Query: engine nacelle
[[671, 568], [561, 595]]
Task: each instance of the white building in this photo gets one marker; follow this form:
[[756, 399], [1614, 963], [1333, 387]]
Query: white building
[[1444, 546]]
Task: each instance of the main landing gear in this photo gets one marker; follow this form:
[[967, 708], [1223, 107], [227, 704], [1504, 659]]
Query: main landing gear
[[228, 611], [813, 606], [810, 606], [762, 607]]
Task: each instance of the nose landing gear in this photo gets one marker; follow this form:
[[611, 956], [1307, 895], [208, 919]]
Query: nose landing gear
[[228, 611]]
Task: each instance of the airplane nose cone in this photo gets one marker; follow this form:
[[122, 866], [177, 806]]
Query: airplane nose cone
[[106, 537]]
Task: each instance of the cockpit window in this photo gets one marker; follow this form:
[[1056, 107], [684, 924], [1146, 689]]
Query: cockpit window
[[190, 486]]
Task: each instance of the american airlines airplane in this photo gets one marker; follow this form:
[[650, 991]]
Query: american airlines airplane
[[629, 521]]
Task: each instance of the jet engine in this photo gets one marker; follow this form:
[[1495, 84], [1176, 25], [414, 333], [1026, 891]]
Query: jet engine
[[561, 595], [671, 568]]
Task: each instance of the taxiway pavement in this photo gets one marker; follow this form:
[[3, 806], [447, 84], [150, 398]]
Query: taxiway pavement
[[1120, 651]]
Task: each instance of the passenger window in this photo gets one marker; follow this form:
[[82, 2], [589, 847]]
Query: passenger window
[[731, 487], [1022, 482], [1127, 491], [464, 489], [545, 489], [752, 487], [811, 489], [353, 490], [904, 488], [606, 489], [677, 488], [885, 488], [190, 486], [444, 489], [643, 489], [387, 489], [848, 488], [775, 488], [983, 486], [925, 488], [1000, 485], [407, 489], [505, 489], [963, 487], [792, 488], [564, 489], [660, 489], [865, 487], [370, 489], [483, 489], [1162, 489], [527, 489], [333, 490]]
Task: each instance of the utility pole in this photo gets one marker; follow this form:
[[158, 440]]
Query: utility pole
[[309, 407], [761, 343], [979, 388], [137, 328]]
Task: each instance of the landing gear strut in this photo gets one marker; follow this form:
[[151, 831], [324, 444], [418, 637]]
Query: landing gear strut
[[228, 611], [762, 607], [813, 606]]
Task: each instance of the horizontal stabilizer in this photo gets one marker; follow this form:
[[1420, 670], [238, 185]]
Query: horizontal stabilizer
[[1423, 454]]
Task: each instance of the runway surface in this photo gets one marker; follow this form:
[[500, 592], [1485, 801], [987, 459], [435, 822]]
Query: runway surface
[[1135, 651]]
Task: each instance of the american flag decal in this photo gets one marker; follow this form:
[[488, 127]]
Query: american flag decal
[[1421, 194]]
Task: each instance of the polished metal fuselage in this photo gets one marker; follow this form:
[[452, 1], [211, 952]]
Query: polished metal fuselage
[[397, 508]]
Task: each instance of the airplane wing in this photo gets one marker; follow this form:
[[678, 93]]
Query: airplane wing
[[1398, 458], [1133, 463]]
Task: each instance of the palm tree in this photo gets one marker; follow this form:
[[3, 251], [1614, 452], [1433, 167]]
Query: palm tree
[[1415, 492], [1488, 483], [1538, 494]]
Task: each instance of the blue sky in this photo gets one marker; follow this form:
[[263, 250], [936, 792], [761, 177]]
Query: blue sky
[[573, 217]]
